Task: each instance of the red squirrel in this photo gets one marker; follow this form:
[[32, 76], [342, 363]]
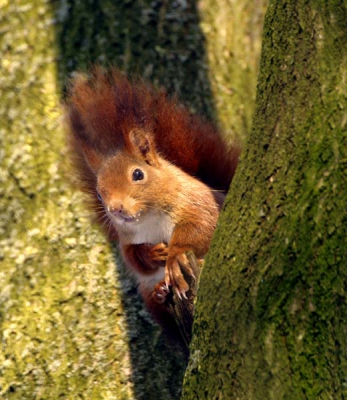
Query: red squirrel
[[155, 175]]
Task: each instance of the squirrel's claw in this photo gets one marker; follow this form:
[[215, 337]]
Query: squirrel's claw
[[174, 276], [185, 265], [161, 290]]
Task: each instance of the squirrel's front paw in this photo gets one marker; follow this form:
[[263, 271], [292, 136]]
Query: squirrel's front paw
[[161, 290], [174, 276], [158, 252]]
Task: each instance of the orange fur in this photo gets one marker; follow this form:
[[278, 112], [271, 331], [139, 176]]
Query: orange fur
[[106, 107]]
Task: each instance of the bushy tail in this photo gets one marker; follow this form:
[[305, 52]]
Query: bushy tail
[[105, 107]]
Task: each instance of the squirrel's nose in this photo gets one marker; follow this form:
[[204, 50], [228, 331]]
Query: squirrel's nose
[[116, 209]]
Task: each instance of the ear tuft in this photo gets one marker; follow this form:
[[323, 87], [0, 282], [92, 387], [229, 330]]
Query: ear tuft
[[143, 145]]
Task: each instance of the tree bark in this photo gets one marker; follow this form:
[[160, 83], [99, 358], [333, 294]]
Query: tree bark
[[271, 311], [72, 325], [233, 31]]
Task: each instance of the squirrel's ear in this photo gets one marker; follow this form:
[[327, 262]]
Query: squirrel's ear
[[143, 145]]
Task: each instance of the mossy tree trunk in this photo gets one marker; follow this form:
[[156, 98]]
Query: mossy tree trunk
[[72, 325], [272, 303]]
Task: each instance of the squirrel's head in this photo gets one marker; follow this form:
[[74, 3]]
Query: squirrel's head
[[128, 181]]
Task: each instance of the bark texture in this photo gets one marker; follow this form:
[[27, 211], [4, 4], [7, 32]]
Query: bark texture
[[271, 310], [233, 31], [71, 323]]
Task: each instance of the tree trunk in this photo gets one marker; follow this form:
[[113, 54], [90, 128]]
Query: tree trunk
[[271, 310], [233, 32], [72, 325]]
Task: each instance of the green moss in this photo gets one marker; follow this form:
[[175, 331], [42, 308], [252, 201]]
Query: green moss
[[71, 322], [273, 305], [64, 332], [233, 41]]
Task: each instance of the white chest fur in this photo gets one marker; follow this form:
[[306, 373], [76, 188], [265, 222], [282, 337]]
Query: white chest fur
[[151, 228], [154, 228]]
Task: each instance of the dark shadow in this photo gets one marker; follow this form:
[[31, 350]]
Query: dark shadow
[[162, 42], [158, 40]]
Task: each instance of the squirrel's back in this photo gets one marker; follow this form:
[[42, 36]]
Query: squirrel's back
[[105, 107]]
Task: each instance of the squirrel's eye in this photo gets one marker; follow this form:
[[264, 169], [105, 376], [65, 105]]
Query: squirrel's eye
[[98, 196], [138, 175]]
